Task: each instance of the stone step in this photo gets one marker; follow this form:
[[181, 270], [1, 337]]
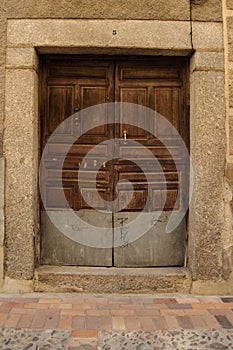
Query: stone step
[[112, 280]]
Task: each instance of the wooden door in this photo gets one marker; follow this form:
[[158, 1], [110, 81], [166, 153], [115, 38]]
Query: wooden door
[[161, 87], [69, 86], [75, 84]]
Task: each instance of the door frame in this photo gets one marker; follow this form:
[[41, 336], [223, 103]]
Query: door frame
[[207, 226]]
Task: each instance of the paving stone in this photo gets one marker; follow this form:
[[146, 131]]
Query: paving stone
[[185, 322], [224, 322], [179, 306], [118, 322], [84, 333], [78, 322], [165, 301], [227, 300], [132, 323], [134, 340], [105, 322], [65, 322], [25, 321], [92, 322], [12, 321], [25, 339], [83, 343], [164, 340]]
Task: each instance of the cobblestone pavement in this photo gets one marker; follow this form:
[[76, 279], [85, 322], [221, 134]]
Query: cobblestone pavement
[[163, 340], [20, 339], [115, 322]]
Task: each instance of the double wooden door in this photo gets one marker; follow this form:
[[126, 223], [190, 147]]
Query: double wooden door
[[73, 84]]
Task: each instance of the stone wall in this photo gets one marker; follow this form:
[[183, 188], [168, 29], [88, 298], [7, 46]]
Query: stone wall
[[165, 27], [228, 43]]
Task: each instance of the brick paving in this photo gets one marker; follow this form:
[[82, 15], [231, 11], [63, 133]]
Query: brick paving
[[85, 316]]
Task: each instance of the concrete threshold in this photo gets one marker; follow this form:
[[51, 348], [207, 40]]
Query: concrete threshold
[[112, 279]]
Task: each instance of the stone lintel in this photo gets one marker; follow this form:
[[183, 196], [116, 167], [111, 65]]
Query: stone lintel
[[163, 35]]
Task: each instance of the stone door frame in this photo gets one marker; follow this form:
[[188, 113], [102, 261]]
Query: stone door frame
[[28, 38]]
